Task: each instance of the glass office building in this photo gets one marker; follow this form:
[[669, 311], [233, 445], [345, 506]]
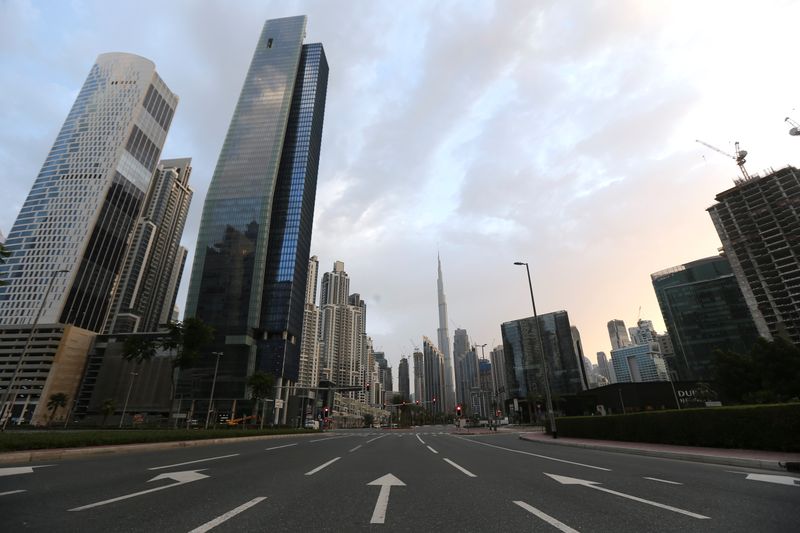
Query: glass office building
[[250, 267], [704, 310]]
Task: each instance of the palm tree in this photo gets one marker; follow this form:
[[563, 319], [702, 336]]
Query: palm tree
[[58, 399], [108, 408], [260, 389]]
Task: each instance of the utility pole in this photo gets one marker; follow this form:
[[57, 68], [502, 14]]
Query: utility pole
[[127, 397], [213, 386]]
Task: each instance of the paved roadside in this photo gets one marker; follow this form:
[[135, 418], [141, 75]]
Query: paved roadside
[[744, 458]]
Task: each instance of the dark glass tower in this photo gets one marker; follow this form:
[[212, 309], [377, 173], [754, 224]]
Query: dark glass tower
[[249, 274]]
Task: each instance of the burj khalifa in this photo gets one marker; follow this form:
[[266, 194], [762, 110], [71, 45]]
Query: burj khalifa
[[444, 345]]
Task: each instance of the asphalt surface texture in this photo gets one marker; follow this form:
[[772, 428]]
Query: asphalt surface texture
[[424, 479]]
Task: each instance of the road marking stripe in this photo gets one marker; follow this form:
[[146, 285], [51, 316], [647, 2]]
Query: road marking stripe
[[320, 467], [329, 438], [192, 462], [663, 481], [227, 516], [420, 439], [12, 492], [535, 455], [431, 449], [547, 518], [284, 446], [376, 438], [357, 447], [464, 470]]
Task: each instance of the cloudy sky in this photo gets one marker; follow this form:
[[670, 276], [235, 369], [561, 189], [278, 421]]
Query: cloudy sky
[[559, 133]]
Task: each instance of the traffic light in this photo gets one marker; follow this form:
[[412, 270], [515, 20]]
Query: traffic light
[[326, 411], [417, 402], [368, 385], [458, 410], [434, 399]]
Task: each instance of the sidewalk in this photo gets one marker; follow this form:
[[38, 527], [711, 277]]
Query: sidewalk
[[743, 458]]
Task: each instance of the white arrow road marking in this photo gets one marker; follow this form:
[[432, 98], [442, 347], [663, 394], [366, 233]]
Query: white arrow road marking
[[227, 516], [386, 483], [12, 492], [181, 478], [320, 467], [431, 449], [284, 446], [354, 449], [376, 438], [16, 470], [595, 485], [547, 518], [192, 462], [420, 439], [467, 472], [535, 455], [663, 481], [769, 478]]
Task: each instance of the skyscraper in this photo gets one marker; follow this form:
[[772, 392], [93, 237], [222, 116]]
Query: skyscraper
[[463, 383], [638, 363], [148, 286], [403, 382], [758, 222], [499, 376], [308, 375], [71, 234], [577, 346], [618, 334], [251, 263], [433, 377], [449, 396], [704, 310]]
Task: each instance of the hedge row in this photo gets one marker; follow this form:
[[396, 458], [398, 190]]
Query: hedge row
[[756, 427], [45, 439]]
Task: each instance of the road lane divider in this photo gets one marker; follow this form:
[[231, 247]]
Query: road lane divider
[[227, 516], [431, 449], [9, 492], [193, 462], [535, 455], [564, 480], [376, 438], [561, 526], [357, 447], [320, 467], [329, 438], [420, 439], [459, 467], [663, 481], [284, 446]]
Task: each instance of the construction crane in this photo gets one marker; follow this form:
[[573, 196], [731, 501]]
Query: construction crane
[[739, 157], [795, 130]]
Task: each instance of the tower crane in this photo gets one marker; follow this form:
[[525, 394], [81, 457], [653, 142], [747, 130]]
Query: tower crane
[[795, 130], [739, 157]]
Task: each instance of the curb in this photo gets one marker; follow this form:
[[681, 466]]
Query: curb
[[54, 454], [683, 456]]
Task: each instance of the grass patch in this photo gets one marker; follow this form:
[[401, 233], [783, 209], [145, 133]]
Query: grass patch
[[48, 439]]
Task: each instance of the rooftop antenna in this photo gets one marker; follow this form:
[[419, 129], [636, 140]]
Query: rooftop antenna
[[739, 157], [795, 127]]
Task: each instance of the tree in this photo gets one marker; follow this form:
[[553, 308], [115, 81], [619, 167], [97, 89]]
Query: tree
[[368, 420], [4, 254], [107, 408], [769, 373], [57, 401], [139, 348], [260, 385]]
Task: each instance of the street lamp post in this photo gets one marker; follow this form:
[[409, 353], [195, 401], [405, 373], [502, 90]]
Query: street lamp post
[[7, 410], [127, 397], [541, 350], [213, 386]]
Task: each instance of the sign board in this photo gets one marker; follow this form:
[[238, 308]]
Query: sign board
[[178, 415], [278, 404]]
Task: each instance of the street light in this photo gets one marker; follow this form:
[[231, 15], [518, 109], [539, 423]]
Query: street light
[[8, 411], [127, 396], [541, 350], [213, 385]]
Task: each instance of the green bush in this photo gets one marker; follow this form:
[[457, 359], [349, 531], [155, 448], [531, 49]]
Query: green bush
[[757, 427], [45, 439]]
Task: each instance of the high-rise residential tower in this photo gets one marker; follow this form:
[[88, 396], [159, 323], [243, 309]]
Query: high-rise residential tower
[[758, 222], [71, 235], [463, 371], [251, 263], [449, 392], [433, 377], [146, 292], [403, 379], [617, 334], [310, 344]]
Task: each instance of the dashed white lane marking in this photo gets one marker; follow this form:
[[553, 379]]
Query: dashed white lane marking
[[376, 438], [420, 439], [561, 526], [464, 470], [663, 481], [192, 462], [12, 492], [535, 455], [227, 516], [320, 467], [284, 446], [329, 438], [431, 449], [357, 447]]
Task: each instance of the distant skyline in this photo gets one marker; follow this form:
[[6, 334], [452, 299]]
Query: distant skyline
[[557, 133]]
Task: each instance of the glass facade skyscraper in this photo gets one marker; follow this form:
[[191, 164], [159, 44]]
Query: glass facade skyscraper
[[250, 268]]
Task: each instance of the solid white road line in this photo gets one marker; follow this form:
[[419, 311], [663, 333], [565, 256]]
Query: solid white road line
[[464, 470], [329, 438], [227, 516], [192, 462], [357, 447], [12, 492], [431, 449], [320, 467], [284, 446], [420, 439], [547, 518], [535, 455], [376, 438], [663, 481]]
